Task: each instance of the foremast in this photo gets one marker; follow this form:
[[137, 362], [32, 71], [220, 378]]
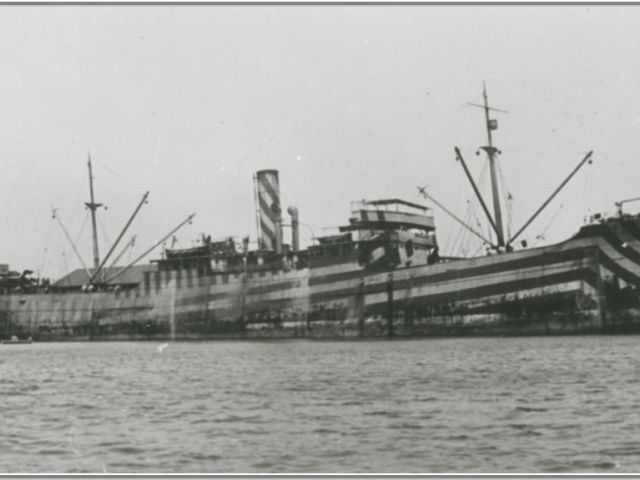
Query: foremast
[[93, 206]]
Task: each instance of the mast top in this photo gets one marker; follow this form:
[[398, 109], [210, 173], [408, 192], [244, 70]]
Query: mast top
[[93, 206], [491, 123], [491, 151]]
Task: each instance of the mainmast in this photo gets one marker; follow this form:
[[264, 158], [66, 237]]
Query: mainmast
[[492, 124], [492, 152], [93, 206]]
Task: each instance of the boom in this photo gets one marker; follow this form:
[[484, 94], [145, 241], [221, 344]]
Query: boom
[[147, 252], [477, 192], [422, 191], [115, 244], [555, 192], [55, 215]]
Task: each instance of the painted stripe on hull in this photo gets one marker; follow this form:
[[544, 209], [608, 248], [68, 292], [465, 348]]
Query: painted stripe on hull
[[575, 287], [566, 267], [586, 274], [451, 270]]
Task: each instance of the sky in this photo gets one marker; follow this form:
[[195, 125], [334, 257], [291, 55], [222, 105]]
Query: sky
[[347, 102]]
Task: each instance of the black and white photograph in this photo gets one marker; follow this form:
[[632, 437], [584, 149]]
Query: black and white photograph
[[319, 238]]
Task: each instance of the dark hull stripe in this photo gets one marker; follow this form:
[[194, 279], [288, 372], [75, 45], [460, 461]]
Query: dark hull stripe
[[618, 270], [531, 303], [453, 273], [341, 293], [613, 240], [273, 287], [632, 228], [194, 303], [403, 284], [203, 298], [356, 289], [529, 262], [584, 274]]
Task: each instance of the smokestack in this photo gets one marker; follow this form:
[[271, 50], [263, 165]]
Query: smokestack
[[268, 209], [295, 232]]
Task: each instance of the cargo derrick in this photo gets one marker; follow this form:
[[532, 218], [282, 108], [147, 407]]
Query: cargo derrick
[[381, 274]]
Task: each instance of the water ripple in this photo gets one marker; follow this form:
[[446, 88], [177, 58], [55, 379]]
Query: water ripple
[[510, 404]]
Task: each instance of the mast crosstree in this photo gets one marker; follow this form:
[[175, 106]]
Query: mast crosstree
[[492, 152]]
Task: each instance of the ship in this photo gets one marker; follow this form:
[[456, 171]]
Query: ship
[[380, 275]]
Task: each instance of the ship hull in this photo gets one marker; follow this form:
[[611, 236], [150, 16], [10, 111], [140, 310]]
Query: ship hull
[[584, 285]]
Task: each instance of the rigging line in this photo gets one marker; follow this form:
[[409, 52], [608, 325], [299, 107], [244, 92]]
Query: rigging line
[[422, 191], [542, 235], [103, 230], [466, 248], [503, 181], [463, 232], [478, 250], [587, 158], [497, 228], [464, 238], [40, 272], [46, 238], [153, 247], [508, 200], [46, 249], [449, 232], [112, 172], [460, 250], [121, 234], [74, 211], [482, 182], [455, 249], [82, 225], [509, 214], [124, 250], [75, 240], [474, 218], [73, 245], [131, 251], [79, 233], [505, 193], [472, 243], [64, 262], [459, 234]]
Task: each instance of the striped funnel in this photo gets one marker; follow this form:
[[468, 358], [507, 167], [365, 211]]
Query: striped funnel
[[269, 212]]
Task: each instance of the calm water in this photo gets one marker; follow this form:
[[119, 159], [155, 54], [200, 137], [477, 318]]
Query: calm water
[[569, 404]]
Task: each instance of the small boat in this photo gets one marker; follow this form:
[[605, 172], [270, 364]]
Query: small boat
[[15, 340]]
